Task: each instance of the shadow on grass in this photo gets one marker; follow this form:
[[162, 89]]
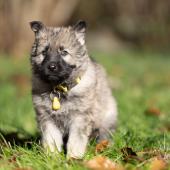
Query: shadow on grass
[[15, 138]]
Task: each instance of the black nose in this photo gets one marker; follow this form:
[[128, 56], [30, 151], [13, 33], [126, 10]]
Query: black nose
[[52, 66]]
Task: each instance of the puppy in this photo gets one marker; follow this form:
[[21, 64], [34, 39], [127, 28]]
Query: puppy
[[70, 92]]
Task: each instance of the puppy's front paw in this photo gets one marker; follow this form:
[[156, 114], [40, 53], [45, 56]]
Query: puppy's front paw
[[80, 131], [76, 148], [75, 152], [51, 145], [52, 139]]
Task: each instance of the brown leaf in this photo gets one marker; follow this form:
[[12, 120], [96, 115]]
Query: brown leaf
[[12, 159], [102, 163], [158, 164], [153, 111], [129, 155], [100, 147], [128, 151]]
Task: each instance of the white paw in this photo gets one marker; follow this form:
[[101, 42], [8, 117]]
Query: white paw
[[50, 143], [75, 153], [76, 148], [52, 138]]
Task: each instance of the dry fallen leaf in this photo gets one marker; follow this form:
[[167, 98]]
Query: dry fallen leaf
[[127, 151], [102, 163], [129, 155], [158, 164], [153, 111], [100, 147], [12, 159]]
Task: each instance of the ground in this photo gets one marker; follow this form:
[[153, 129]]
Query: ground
[[141, 86]]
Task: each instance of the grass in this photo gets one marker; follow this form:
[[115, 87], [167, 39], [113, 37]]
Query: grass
[[141, 85]]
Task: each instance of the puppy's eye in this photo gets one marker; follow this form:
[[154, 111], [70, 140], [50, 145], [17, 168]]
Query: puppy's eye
[[64, 53], [44, 52]]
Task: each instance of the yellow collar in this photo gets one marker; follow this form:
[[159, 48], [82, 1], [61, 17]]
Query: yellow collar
[[55, 94], [64, 88]]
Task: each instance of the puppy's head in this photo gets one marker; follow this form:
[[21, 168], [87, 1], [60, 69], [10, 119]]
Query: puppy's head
[[58, 52]]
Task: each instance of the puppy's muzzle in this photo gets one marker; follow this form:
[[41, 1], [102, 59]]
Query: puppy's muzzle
[[52, 66]]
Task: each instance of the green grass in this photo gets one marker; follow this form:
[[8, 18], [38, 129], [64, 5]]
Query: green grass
[[140, 81]]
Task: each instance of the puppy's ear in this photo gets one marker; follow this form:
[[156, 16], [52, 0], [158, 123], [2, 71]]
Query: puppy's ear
[[37, 26], [80, 30], [80, 26]]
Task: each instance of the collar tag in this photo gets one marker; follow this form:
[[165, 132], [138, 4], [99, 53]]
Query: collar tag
[[57, 89], [56, 103]]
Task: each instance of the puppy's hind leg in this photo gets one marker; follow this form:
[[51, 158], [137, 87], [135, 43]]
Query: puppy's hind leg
[[107, 128], [104, 134]]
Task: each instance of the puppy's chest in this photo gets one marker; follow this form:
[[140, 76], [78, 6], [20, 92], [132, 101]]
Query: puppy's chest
[[69, 106], [67, 112], [61, 119]]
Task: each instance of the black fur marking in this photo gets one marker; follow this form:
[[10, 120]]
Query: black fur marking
[[80, 26], [36, 26], [65, 140], [57, 76], [44, 52]]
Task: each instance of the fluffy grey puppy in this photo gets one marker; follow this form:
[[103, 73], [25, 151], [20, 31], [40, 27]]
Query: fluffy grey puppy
[[70, 92]]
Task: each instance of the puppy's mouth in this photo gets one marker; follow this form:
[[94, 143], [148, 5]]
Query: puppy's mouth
[[55, 79]]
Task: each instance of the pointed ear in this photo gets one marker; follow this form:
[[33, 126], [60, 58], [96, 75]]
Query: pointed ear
[[36, 26], [80, 29], [80, 26]]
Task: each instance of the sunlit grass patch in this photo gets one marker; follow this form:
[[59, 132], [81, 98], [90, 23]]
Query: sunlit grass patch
[[141, 86]]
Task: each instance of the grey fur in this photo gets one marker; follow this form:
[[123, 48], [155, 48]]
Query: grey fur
[[89, 105]]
